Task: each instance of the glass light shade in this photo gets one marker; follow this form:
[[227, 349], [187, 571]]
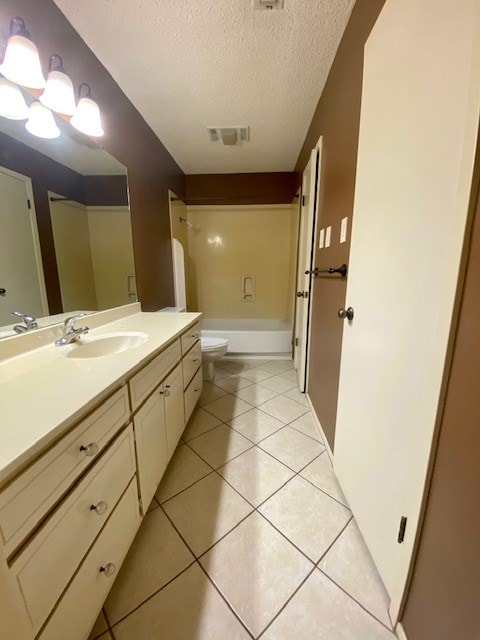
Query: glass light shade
[[12, 102], [87, 118], [58, 94], [21, 63], [41, 122]]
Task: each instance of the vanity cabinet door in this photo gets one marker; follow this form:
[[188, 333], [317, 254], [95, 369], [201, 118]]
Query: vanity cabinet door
[[151, 444], [174, 409]]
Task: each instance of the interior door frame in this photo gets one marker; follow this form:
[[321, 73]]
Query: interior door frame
[[310, 238], [35, 235]]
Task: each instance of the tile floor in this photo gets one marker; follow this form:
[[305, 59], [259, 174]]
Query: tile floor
[[249, 535]]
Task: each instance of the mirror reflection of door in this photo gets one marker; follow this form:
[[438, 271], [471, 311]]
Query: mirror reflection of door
[[21, 273]]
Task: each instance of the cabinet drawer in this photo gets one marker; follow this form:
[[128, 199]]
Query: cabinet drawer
[[50, 559], [77, 611], [190, 337], [190, 363], [192, 394], [29, 497], [145, 381]]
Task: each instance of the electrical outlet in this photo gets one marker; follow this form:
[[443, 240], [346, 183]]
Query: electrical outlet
[[343, 230], [321, 241]]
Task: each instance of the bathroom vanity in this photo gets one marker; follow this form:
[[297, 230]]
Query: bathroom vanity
[[84, 442]]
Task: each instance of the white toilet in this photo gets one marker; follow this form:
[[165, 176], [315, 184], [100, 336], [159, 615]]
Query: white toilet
[[212, 350]]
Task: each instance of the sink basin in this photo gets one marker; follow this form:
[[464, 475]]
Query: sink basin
[[105, 345]]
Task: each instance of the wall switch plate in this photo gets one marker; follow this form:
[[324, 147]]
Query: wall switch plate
[[328, 235], [343, 229], [321, 241]]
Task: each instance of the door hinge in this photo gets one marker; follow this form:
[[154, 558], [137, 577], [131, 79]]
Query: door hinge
[[303, 201], [140, 504], [401, 530], [29, 204], [296, 342]]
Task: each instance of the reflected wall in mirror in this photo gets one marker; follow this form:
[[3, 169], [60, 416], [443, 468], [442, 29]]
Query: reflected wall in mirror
[[66, 240]]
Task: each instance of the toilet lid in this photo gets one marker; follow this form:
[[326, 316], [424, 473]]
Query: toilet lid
[[208, 344]]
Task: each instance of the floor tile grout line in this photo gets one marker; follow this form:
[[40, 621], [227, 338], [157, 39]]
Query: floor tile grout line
[[256, 443], [153, 594], [306, 434], [188, 487], [339, 586], [343, 529], [203, 432], [347, 506], [287, 602], [224, 463], [229, 605]]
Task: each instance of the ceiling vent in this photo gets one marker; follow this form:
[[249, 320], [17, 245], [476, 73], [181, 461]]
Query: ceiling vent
[[229, 135], [267, 5]]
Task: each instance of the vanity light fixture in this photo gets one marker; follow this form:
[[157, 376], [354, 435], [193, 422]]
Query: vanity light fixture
[[21, 63], [87, 115], [12, 102], [58, 94], [41, 122]]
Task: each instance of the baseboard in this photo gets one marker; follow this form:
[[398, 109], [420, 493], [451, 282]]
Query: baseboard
[[400, 631], [320, 428]]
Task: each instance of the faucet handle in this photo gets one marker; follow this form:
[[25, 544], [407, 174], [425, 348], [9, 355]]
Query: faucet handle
[[69, 322], [30, 321]]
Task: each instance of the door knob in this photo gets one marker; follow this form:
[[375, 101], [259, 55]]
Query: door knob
[[2, 291], [346, 313]]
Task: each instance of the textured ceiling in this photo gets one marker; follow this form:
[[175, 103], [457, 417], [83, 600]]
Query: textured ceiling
[[188, 64]]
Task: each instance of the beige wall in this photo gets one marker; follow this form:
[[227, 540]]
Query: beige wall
[[73, 254], [112, 254], [231, 241]]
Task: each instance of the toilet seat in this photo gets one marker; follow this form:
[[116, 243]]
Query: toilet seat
[[211, 344]]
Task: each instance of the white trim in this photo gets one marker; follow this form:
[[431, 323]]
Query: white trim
[[320, 428], [400, 631]]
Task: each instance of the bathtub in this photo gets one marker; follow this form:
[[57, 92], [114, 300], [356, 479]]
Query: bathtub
[[250, 335]]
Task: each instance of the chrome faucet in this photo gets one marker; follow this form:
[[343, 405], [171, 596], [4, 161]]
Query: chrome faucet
[[70, 334], [30, 322]]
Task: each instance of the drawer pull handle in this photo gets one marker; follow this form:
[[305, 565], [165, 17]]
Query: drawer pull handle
[[196, 360], [100, 508], [90, 449], [108, 569]]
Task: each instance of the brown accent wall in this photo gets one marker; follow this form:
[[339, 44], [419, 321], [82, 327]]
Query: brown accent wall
[[151, 169], [444, 595], [337, 119], [241, 188], [104, 191]]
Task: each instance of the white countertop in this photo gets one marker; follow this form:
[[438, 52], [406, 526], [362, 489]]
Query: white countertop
[[42, 393]]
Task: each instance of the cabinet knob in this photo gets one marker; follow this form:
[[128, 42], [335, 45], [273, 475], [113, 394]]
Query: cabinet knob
[[166, 393], [196, 360], [90, 449], [100, 508], [196, 390], [195, 335], [108, 569]]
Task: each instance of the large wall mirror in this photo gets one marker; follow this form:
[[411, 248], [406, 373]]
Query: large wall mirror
[[65, 238]]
